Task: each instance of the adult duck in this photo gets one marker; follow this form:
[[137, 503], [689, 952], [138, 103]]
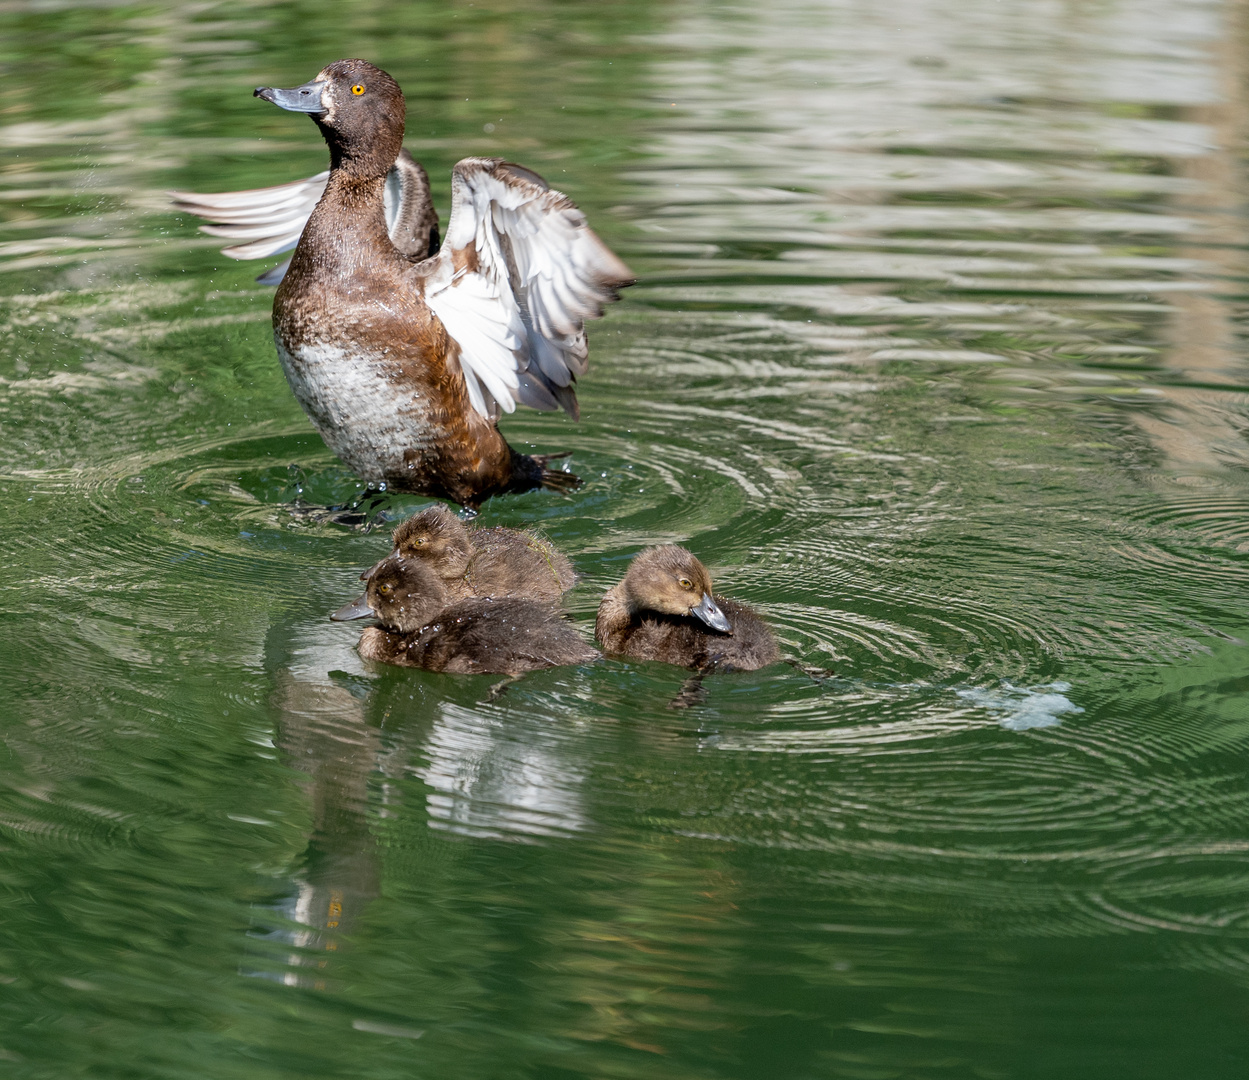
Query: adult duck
[[404, 360]]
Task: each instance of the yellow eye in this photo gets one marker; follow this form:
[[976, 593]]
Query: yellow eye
[[385, 590], [421, 540], [357, 89], [685, 583]]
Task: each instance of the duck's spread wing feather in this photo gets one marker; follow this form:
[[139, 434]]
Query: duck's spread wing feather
[[517, 277], [271, 220], [267, 220]]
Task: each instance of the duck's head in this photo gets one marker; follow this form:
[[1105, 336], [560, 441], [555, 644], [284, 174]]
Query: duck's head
[[403, 595], [359, 109], [436, 537], [670, 580]]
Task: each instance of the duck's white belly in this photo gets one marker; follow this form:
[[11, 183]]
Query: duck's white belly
[[359, 404]]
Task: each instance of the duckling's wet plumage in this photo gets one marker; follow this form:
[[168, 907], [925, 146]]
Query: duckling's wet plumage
[[476, 636], [495, 562], [665, 610], [404, 364]]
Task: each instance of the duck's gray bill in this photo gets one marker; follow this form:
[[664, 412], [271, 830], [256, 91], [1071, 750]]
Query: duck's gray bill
[[707, 610], [357, 609], [306, 98]]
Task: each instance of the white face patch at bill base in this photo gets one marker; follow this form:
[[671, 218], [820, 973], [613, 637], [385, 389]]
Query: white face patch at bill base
[[1020, 708]]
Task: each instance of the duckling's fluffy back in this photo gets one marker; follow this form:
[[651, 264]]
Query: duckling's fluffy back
[[495, 562], [482, 636], [510, 563]]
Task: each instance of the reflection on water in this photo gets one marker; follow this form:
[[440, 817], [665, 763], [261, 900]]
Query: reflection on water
[[485, 781], [936, 358]]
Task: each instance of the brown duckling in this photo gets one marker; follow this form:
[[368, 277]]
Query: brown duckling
[[475, 636], [664, 609], [494, 562]]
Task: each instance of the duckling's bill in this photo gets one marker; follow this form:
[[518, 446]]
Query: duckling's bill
[[710, 613], [357, 609]]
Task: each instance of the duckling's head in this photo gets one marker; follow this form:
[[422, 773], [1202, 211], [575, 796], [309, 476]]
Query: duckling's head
[[437, 537], [403, 595], [670, 580], [359, 109]]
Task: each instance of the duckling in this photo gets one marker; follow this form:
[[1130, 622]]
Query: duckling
[[494, 562], [664, 609], [405, 360], [472, 637]]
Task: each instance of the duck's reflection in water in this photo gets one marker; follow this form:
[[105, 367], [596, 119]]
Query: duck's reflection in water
[[359, 737]]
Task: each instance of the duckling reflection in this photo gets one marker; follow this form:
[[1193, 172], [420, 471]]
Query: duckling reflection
[[419, 628], [665, 610], [413, 756], [495, 562], [325, 733]]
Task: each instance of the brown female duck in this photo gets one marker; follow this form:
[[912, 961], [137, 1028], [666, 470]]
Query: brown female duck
[[478, 636], [494, 562], [665, 610], [405, 362]]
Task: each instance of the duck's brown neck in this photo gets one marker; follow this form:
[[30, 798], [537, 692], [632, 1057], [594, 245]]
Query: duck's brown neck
[[365, 154], [349, 223]]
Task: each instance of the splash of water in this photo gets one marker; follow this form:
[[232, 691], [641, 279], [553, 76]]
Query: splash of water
[[1020, 708]]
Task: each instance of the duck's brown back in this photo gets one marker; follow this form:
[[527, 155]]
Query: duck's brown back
[[685, 641], [498, 637], [509, 563]]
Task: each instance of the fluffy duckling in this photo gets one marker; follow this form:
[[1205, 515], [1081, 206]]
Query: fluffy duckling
[[664, 609], [472, 637], [495, 562]]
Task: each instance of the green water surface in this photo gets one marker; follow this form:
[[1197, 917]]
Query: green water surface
[[936, 356]]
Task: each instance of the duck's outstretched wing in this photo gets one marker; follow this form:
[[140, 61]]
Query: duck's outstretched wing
[[270, 220], [266, 221], [518, 275]]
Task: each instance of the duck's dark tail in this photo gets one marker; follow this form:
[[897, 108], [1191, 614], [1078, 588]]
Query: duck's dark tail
[[530, 471]]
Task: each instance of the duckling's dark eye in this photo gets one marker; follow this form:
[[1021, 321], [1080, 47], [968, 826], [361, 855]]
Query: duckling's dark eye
[[685, 583], [357, 89]]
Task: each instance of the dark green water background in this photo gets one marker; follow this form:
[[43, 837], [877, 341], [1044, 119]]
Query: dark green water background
[[937, 357]]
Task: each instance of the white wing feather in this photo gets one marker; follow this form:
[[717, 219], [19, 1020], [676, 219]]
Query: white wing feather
[[272, 219], [269, 219], [518, 275]]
